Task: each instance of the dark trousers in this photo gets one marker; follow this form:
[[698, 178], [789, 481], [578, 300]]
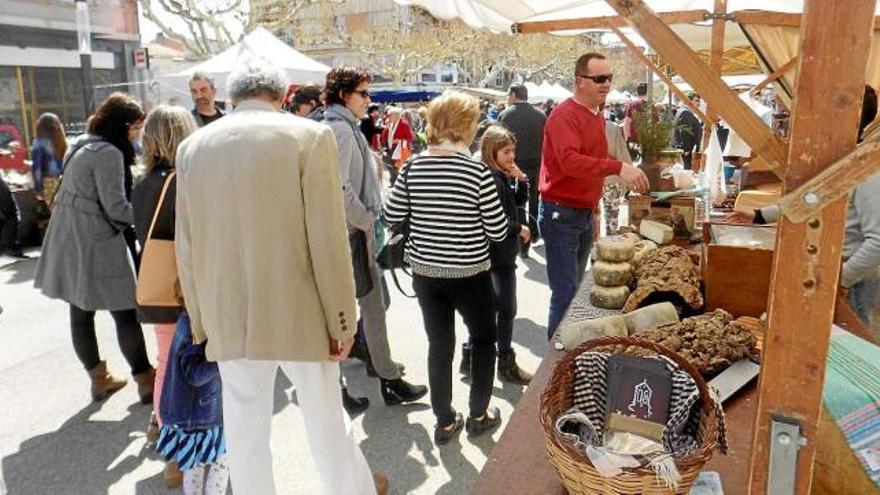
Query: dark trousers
[[504, 285], [568, 238], [529, 215], [473, 298], [128, 333], [8, 219]]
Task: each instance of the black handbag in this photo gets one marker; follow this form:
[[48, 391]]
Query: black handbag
[[391, 257], [360, 263]]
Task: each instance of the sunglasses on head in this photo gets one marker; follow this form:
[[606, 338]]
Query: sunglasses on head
[[364, 93], [601, 79]]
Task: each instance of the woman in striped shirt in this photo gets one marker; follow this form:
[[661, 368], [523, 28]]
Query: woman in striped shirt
[[452, 205]]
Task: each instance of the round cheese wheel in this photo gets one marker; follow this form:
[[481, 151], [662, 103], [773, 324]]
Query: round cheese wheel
[[642, 248], [612, 274], [609, 297], [615, 248]]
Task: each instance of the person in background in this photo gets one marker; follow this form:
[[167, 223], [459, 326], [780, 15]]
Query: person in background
[[347, 94], [549, 106], [574, 166], [259, 236], [86, 260], [203, 94], [615, 189], [192, 416], [452, 206], [396, 135], [527, 125], [371, 126], [629, 110], [307, 103], [47, 152], [9, 220], [498, 152], [687, 133], [164, 129]]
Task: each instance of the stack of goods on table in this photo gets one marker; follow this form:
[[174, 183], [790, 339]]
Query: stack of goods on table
[[656, 351]]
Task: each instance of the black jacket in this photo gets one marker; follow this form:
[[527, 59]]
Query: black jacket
[[688, 131], [144, 200], [513, 194], [527, 125]]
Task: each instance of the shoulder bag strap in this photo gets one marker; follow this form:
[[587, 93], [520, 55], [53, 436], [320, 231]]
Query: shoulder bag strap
[[160, 204]]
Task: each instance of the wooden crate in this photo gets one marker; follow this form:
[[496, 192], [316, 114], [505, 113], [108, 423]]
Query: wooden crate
[[737, 262]]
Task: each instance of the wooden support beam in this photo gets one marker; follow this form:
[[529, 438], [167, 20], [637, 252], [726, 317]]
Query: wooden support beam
[[835, 182], [776, 74], [716, 60], [835, 38], [781, 19], [637, 52], [688, 64], [682, 17]]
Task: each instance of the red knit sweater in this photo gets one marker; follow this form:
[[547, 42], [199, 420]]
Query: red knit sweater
[[575, 160]]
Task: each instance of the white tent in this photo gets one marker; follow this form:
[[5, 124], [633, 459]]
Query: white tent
[[616, 97], [258, 44], [539, 93]]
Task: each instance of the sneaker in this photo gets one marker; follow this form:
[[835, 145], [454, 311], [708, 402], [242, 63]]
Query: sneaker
[[490, 420], [442, 435]]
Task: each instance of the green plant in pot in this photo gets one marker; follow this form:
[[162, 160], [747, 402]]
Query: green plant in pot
[[654, 128]]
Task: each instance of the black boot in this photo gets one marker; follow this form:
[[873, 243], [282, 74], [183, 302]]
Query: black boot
[[399, 391], [509, 371], [354, 405], [465, 367]]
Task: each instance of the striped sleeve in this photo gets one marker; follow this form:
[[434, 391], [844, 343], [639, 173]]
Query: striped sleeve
[[494, 220], [397, 205]]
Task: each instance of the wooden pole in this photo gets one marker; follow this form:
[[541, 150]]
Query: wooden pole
[[681, 17], [776, 74], [835, 38], [687, 63], [716, 59], [651, 65]]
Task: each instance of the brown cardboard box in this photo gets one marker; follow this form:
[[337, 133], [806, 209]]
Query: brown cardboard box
[[737, 263]]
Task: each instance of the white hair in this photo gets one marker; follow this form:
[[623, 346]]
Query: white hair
[[255, 78], [392, 110]]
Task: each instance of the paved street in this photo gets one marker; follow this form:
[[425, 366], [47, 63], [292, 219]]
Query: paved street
[[54, 440]]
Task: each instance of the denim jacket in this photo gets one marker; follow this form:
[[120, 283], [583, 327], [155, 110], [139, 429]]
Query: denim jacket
[[191, 392]]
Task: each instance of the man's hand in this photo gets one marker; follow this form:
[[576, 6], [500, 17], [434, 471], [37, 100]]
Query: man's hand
[[525, 233], [339, 349], [741, 217], [634, 177]]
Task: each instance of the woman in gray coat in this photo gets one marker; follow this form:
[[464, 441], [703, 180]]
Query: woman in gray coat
[[86, 260], [347, 94]]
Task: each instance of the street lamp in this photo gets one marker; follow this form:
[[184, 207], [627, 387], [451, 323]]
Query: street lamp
[[84, 39]]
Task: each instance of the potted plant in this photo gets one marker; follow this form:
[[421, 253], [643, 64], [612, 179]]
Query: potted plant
[[654, 128]]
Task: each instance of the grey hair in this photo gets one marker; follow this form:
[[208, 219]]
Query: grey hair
[[256, 78], [201, 76]]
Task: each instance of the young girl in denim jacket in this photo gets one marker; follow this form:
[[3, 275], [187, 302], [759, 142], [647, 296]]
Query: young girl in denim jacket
[[192, 415]]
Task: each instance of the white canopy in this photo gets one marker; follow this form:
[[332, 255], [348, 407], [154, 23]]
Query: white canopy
[[258, 44], [499, 15], [539, 93]]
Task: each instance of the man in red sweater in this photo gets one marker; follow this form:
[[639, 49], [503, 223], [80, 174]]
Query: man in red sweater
[[574, 165]]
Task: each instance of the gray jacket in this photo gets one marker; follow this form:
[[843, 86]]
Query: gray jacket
[[85, 260], [861, 240], [527, 125], [361, 192]]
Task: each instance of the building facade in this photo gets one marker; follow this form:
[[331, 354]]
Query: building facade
[[40, 63]]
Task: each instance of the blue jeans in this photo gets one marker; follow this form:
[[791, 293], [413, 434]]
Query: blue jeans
[[568, 238], [862, 297]]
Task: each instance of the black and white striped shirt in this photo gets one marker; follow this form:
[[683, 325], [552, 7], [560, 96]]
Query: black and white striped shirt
[[454, 212]]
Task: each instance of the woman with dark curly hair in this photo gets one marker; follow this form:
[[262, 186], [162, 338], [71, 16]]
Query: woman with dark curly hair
[[347, 95], [86, 260]]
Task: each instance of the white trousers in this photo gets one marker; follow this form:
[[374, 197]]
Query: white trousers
[[248, 388]]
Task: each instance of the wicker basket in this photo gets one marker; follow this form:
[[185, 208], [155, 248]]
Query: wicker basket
[[575, 470]]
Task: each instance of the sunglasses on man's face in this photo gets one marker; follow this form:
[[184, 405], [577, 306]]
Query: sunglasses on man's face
[[364, 93], [600, 79]]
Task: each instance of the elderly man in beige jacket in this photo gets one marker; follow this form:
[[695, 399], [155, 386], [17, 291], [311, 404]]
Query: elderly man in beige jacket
[[263, 260]]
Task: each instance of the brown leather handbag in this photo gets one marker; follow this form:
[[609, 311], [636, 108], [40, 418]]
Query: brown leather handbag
[[158, 271]]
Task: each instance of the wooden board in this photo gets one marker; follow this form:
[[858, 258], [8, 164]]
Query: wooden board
[[835, 38]]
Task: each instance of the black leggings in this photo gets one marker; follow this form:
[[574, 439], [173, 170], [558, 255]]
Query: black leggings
[[128, 333]]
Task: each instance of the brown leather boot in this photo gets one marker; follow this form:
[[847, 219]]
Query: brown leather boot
[[103, 383], [381, 482], [172, 474], [144, 382]]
